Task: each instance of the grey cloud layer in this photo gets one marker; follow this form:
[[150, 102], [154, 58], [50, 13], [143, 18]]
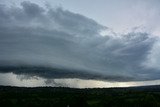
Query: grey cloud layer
[[42, 37]]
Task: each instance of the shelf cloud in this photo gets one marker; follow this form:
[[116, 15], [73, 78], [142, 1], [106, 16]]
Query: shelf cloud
[[57, 43]]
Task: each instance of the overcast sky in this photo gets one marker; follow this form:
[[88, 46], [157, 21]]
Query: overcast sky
[[120, 15], [101, 39]]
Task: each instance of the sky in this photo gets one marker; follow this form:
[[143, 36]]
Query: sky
[[102, 41]]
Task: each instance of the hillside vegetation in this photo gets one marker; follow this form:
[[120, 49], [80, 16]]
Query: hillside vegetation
[[70, 97]]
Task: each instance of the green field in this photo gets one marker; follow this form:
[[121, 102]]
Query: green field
[[70, 97]]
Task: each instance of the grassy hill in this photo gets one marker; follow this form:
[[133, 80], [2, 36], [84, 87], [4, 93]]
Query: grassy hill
[[148, 96]]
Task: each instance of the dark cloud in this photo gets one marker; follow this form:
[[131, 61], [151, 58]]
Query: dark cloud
[[32, 9], [56, 43]]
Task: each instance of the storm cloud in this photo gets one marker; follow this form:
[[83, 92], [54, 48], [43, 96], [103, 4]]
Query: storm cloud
[[56, 43]]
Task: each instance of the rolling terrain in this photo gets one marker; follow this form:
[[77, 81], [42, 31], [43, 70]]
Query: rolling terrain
[[145, 96]]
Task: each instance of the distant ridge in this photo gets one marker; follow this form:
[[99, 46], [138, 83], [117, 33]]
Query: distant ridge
[[132, 87]]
